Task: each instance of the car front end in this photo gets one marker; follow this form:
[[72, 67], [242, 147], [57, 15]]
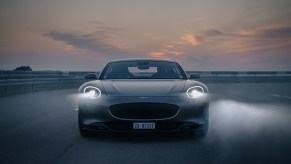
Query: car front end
[[143, 105]]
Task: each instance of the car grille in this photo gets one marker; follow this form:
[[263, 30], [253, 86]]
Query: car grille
[[143, 110]]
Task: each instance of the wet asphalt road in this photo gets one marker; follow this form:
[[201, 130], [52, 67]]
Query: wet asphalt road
[[249, 123]]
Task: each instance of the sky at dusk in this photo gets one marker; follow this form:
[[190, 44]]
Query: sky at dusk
[[202, 35]]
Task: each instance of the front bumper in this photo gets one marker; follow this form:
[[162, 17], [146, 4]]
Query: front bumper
[[97, 115]]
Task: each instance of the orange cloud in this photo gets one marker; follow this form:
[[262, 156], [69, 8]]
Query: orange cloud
[[169, 46], [152, 36], [69, 48], [162, 54], [262, 37], [189, 38], [157, 54], [176, 53]]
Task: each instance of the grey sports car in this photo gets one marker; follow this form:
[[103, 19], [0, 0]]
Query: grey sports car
[[143, 95]]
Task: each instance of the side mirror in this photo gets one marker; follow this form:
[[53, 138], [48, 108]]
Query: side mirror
[[91, 76], [194, 76]]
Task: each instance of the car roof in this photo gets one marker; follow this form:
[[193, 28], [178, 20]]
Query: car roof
[[141, 59]]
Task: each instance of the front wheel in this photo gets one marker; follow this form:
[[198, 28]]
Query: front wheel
[[201, 133], [83, 132]]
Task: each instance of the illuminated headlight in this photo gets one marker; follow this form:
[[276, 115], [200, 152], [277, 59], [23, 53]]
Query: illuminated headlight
[[195, 92], [92, 92]]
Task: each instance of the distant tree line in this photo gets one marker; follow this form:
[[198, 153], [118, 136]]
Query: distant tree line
[[23, 68]]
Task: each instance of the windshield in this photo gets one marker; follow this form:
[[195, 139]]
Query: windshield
[[142, 70]]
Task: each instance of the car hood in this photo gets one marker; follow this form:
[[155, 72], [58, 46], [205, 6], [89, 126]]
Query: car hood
[[143, 87]]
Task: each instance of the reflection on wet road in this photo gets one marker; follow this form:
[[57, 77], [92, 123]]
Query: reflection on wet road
[[247, 125]]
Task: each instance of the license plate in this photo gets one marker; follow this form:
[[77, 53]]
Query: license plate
[[143, 125]]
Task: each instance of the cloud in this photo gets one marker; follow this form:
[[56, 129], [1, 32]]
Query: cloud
[[212, 32], [167, 51], [157, 54], [168, 46], [112, 42], [79, 41], [214, 44], [152, 36], [191, 39], [262, 37], [105, 41], [165, 54], [204, 37], [276, 33]]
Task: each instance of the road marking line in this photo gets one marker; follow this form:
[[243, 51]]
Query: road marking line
[[275, 95]]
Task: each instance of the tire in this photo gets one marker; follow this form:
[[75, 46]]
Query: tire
[[201, 133], [84, 133]]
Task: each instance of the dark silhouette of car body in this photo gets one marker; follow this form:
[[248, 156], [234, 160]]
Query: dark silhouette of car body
[[143, 95]]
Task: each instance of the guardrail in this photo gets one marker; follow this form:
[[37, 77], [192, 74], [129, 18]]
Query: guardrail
[[10, 87], [79, 74], [14, 82], [41, 74], [241, 73], [243, 77]]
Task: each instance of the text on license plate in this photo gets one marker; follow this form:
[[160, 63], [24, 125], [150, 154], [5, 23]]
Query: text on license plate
[[143, 125]]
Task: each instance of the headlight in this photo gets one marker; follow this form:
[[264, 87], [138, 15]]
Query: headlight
[[195, 92], [92, 92]]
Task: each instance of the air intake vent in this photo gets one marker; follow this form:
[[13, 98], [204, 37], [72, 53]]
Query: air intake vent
[[143, 110]]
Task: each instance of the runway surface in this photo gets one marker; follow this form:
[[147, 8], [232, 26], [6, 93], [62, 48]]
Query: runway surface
[[249, 123]]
